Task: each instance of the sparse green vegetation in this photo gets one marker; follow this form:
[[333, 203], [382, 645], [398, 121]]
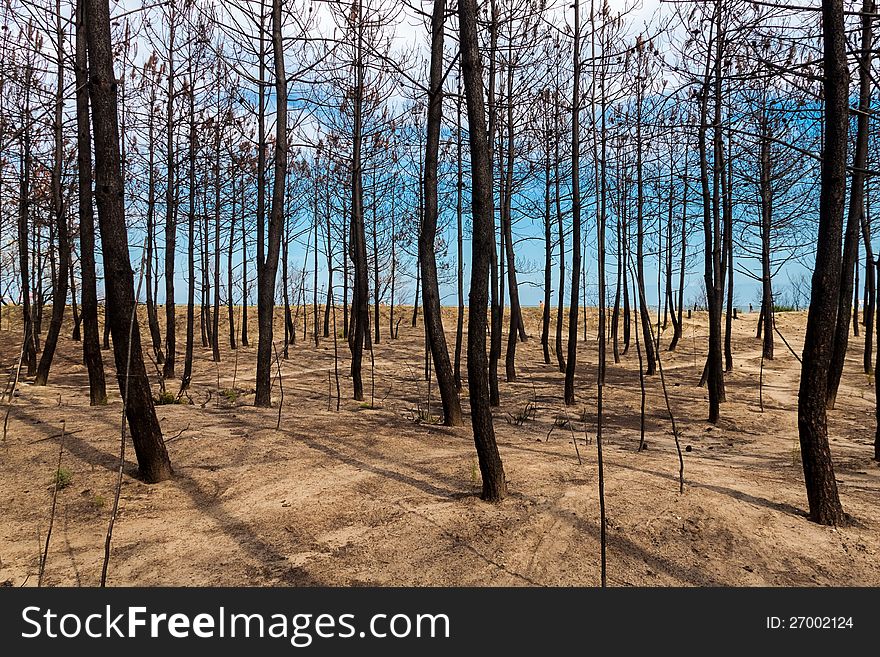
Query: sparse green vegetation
[[63, 478], [166, 397], [229, 394]]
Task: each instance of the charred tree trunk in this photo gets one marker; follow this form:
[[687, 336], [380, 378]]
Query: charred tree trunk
[[358, 245], [560, 228], [428, 233], [170, 217], [491, 469], [870, 295], [134, 385], [856, 208], [818, 467], [152, 319], [230, 297], [88, 288], [575, 213], [766, 195], [548, 255], [59, 285], [269, 267]]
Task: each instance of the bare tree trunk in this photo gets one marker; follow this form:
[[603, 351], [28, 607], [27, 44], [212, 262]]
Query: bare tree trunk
[[870, 289], [230, 297], [459, 210], [428, 234], [132, 375], [27, 309], [491, 469], [91, 342], [269, 268], [560, 228], [679, 326], [191, 238], [244, 269], [76, 335], [644, 312], [170, 214], [548, 254], [215, 324], [358, 246], [819, 478], [766, 195], [152, 319], [575, 213], [59, 291], [856, 208]]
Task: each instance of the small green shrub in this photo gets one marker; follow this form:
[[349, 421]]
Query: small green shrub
[[229, 395], [63, 478], [165, 397]]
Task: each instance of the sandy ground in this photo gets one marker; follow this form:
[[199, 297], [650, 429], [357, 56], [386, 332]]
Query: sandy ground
[[378, 496]]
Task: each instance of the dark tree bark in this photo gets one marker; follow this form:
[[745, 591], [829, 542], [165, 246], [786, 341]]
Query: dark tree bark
[[59, 285], [727, 199], [560, 229], [244, 279], [765, 192], [575, 212], [819, 478], [428, 233], [215, 324], [548, 254], [186, 379], [870, 297], [76, 335], [679, 326], [88, 288], [491, 468], [134, 385], [152, 319], [269, 267], [516, 330], [876, 387], [496, 292], [358, 245], [168, 370], [459, 211], [714, 280], [856, 208], [230, 297], [24, 203], [644, 312]]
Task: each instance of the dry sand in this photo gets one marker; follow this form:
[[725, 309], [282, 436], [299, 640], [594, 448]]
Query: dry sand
[[373, 496]]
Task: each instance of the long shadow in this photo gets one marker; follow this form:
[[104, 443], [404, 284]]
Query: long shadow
[[245, 535], [782, 507], [241, 532], [685, 573], [424, 486], [76, 445]]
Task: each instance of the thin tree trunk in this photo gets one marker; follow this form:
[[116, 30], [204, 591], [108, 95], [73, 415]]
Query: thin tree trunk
[[191, 237], [91, 342], [428, 234], [269, 268], [170, 213], [132, 375], [575, 213], [856, 208], [60, 287], [491, 468]]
